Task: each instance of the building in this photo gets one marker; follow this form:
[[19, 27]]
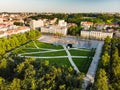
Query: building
[[96, 34], [86, 25], [62, 23], [36, 24], [1, 20], [2, 34], [53, 21], [117, 34], [54, 29], [104, 26], [17, 30]]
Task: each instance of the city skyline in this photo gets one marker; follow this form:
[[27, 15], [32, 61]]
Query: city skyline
[[68, 6]]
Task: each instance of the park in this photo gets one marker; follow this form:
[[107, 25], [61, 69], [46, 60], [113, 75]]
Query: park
[[56, 54]]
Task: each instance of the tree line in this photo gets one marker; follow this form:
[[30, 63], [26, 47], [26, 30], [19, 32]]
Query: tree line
[[78, 17], [29, 74], [108, 74]]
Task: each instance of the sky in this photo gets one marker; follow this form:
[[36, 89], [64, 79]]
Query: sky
[[68, 6]]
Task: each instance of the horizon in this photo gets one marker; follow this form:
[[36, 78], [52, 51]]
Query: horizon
[[61, 6]]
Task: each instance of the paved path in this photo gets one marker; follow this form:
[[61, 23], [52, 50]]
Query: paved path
[[53, 56], [93, 67], [79, 49], [70, 60], [35, 44], [45, 57], [42, 52]]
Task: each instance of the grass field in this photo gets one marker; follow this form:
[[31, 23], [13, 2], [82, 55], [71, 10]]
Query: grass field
[[47, 45], [79, 52], [40, 49], [30, 47], [82, 64], [58, 53]]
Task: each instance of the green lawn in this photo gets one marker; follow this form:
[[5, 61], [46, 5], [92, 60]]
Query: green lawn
[[79, 52], [82, 64], [26, 48], [30, 45], [58, 53], [47, 45], [58, 61], [29, 50]]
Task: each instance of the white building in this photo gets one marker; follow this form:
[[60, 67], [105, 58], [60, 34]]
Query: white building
[[4, 29], [21, 29], [96, 34], [2, 34], [34, 24], [53, 21], [1, 20], [117, 34], [54, 30], [86, 25], [62, 23]]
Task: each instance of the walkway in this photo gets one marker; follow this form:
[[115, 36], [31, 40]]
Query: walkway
[[70, 60], [45, 57], [35, 45], [93, 67], [52, 56], [42, 52]]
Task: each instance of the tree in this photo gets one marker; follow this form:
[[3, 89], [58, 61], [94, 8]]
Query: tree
[[16, 84], [107, 40], [3, 83], [74, 30], [18, 23], [105, 60], [102, 81]]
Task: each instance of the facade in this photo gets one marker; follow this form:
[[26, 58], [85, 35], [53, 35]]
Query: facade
[[62, 23], [117, 34], [96, 34], [54, 30], [34, 24], [53, 21], [61, 28], [105, 26], [21, 29], [1, 20], [86, 25]]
